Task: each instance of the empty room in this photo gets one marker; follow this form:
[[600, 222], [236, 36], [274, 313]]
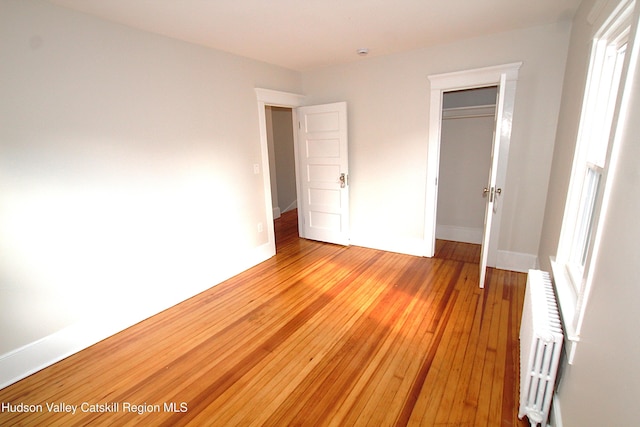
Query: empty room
[[317, 213]]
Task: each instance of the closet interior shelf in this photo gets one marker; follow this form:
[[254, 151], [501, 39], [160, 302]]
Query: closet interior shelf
[[469, 111]]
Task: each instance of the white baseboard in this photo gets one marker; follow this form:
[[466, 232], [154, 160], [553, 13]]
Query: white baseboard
[[402, 246], [293, 205], [459, 234], [505, 260], [24, 361], [516, 261], [46, 351], [277, 211]]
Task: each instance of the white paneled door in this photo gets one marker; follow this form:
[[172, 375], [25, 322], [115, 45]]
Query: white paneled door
[[323, 170]]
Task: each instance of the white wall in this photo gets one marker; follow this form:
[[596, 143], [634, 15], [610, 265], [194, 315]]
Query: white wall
[[602, 387], [567, 132], [126, 175], [388, 102]]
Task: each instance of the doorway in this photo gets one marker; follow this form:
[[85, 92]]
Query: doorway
[[282, 173], [267, 97], [505, 78], [321, 152], [282, 168], [468, 121]]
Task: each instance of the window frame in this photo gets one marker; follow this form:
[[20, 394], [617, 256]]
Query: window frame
[[601, 115]]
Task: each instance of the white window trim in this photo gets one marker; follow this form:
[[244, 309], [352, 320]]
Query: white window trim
[[573, 291]]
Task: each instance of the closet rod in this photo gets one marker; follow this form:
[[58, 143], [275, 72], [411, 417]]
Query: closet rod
[[468, 116]]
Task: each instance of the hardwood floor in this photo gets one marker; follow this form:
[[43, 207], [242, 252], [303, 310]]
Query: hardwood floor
[[318, 335], [457, 251]]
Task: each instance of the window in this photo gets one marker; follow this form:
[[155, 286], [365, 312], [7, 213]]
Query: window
[[591, 154], [586, 199]]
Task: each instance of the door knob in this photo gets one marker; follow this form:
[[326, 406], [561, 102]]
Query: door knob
[[492, 192], [343, 180]]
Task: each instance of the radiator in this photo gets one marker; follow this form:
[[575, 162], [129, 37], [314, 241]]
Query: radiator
[[540, 348]]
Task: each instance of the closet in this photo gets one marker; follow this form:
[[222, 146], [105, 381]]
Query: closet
[[468, 122]]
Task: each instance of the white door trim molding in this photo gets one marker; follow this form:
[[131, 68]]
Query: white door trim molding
[[467, 79], [277, 99]]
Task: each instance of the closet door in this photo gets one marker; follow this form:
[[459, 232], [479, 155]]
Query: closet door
[[490, 191]]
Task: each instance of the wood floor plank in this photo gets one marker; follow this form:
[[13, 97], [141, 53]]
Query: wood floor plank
[[320, 334], [317, 335], [389, 383], [452, 402], [475, 365], [317, 397]]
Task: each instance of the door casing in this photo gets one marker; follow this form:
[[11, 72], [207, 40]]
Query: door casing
[[277, 99], [467, 79]]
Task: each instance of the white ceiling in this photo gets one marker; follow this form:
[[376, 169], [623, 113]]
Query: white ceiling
[[305, 34]]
